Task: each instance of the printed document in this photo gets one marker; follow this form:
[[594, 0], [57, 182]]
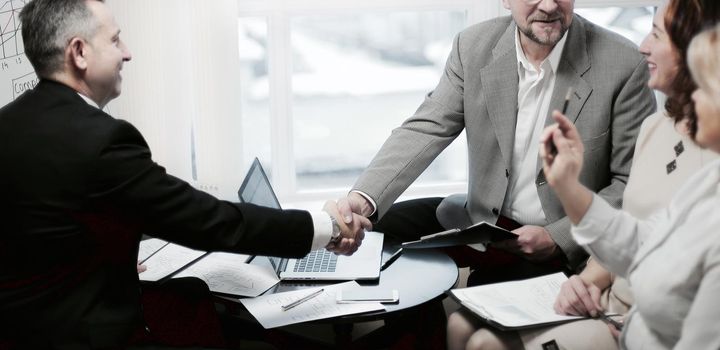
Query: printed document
[[230, 274], [267, 309], [149, 246], [516, 304], [167, 260]]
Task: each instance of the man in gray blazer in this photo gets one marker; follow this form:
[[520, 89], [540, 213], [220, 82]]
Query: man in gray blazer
[[502, 80]]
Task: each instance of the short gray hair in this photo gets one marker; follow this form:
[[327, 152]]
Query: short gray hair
[[47, 28]]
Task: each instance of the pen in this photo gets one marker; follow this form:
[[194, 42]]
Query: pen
[[618, 325], [553, 148], [391, 259], [567, 100], [302, 300]]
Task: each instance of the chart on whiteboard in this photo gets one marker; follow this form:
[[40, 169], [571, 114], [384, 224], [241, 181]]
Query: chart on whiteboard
[[16, 73]]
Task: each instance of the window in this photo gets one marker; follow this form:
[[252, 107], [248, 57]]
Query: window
[[631, 22], [325, 82], [354, 79]]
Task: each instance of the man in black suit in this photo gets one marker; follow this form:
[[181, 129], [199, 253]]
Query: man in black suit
[[78, 187]]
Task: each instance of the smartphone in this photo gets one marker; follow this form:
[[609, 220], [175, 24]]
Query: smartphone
[[385, 296]]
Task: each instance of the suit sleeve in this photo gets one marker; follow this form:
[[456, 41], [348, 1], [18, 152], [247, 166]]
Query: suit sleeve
[[415, 144], [126, 177], [633, 103]]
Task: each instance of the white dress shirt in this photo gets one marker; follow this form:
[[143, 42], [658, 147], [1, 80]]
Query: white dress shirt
[[322, 226], [535, 88]]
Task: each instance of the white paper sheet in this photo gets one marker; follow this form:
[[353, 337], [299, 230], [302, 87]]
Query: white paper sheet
[[267, 308], [168, 260], [150, 246], [230, 274], [518, 303]]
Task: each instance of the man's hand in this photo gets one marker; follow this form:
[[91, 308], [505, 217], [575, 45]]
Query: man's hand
[[351, 233], [578, 297], [354, 203], [533, 242], [141, 268]]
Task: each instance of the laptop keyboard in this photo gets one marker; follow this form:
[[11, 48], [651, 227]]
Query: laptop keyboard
[[320, 260]]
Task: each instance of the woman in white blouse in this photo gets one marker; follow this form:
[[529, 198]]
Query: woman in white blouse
[[672, 259]]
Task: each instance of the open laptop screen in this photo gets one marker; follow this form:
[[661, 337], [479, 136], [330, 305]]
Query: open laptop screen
[[256, 188], [363, 264]]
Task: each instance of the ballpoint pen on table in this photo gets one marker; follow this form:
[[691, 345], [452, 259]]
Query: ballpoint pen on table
[[302, 300], [391, 259]]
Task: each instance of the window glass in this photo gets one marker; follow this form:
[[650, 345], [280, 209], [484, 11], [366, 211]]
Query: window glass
[[255, 90], [355, 78], [631, 22]]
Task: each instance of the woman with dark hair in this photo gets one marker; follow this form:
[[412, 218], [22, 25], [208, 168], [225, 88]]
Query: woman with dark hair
[[665, 157]]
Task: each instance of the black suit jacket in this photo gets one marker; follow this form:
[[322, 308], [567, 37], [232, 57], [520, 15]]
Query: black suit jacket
[[77, 189]]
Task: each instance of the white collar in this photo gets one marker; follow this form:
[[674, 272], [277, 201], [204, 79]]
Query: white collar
[[89, 101], [553, 58]]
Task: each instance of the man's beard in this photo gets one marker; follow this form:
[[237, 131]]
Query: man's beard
[[547, 40]]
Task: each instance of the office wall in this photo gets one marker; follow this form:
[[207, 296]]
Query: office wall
[[184, 73]]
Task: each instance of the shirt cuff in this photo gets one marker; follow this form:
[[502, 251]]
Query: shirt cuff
[[592, 225], [370, 200], [323, 229]]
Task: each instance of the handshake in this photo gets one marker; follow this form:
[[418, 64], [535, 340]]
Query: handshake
[[350, 214]]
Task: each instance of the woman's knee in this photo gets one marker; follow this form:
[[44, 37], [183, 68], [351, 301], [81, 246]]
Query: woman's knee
[[487, 340], [459, 329]]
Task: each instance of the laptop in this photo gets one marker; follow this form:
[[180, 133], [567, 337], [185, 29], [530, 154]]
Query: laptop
[[319, 264]]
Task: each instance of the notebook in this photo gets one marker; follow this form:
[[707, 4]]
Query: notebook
[[320, 264]]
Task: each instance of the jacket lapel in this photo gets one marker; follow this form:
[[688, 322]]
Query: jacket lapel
[[501, 99], [573, 64]]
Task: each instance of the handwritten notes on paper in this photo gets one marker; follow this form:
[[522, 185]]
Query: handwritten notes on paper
[[228, 273], [267, 308]]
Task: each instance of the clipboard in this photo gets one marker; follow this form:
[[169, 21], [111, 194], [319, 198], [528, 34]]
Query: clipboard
[[482, 232]]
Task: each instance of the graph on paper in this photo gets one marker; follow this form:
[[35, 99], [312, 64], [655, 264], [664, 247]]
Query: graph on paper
[[16, 72], [10, 35]]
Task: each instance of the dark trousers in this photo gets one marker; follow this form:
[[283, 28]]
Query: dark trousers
[[409, 220], [179, 313]]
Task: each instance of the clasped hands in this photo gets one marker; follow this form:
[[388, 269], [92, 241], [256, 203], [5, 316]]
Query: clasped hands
[[352, 229]]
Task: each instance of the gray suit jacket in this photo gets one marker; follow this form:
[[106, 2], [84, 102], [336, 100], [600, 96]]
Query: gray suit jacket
[[478, 93]]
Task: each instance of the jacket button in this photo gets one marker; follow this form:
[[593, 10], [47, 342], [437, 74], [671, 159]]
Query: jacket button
[[495, 211]]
